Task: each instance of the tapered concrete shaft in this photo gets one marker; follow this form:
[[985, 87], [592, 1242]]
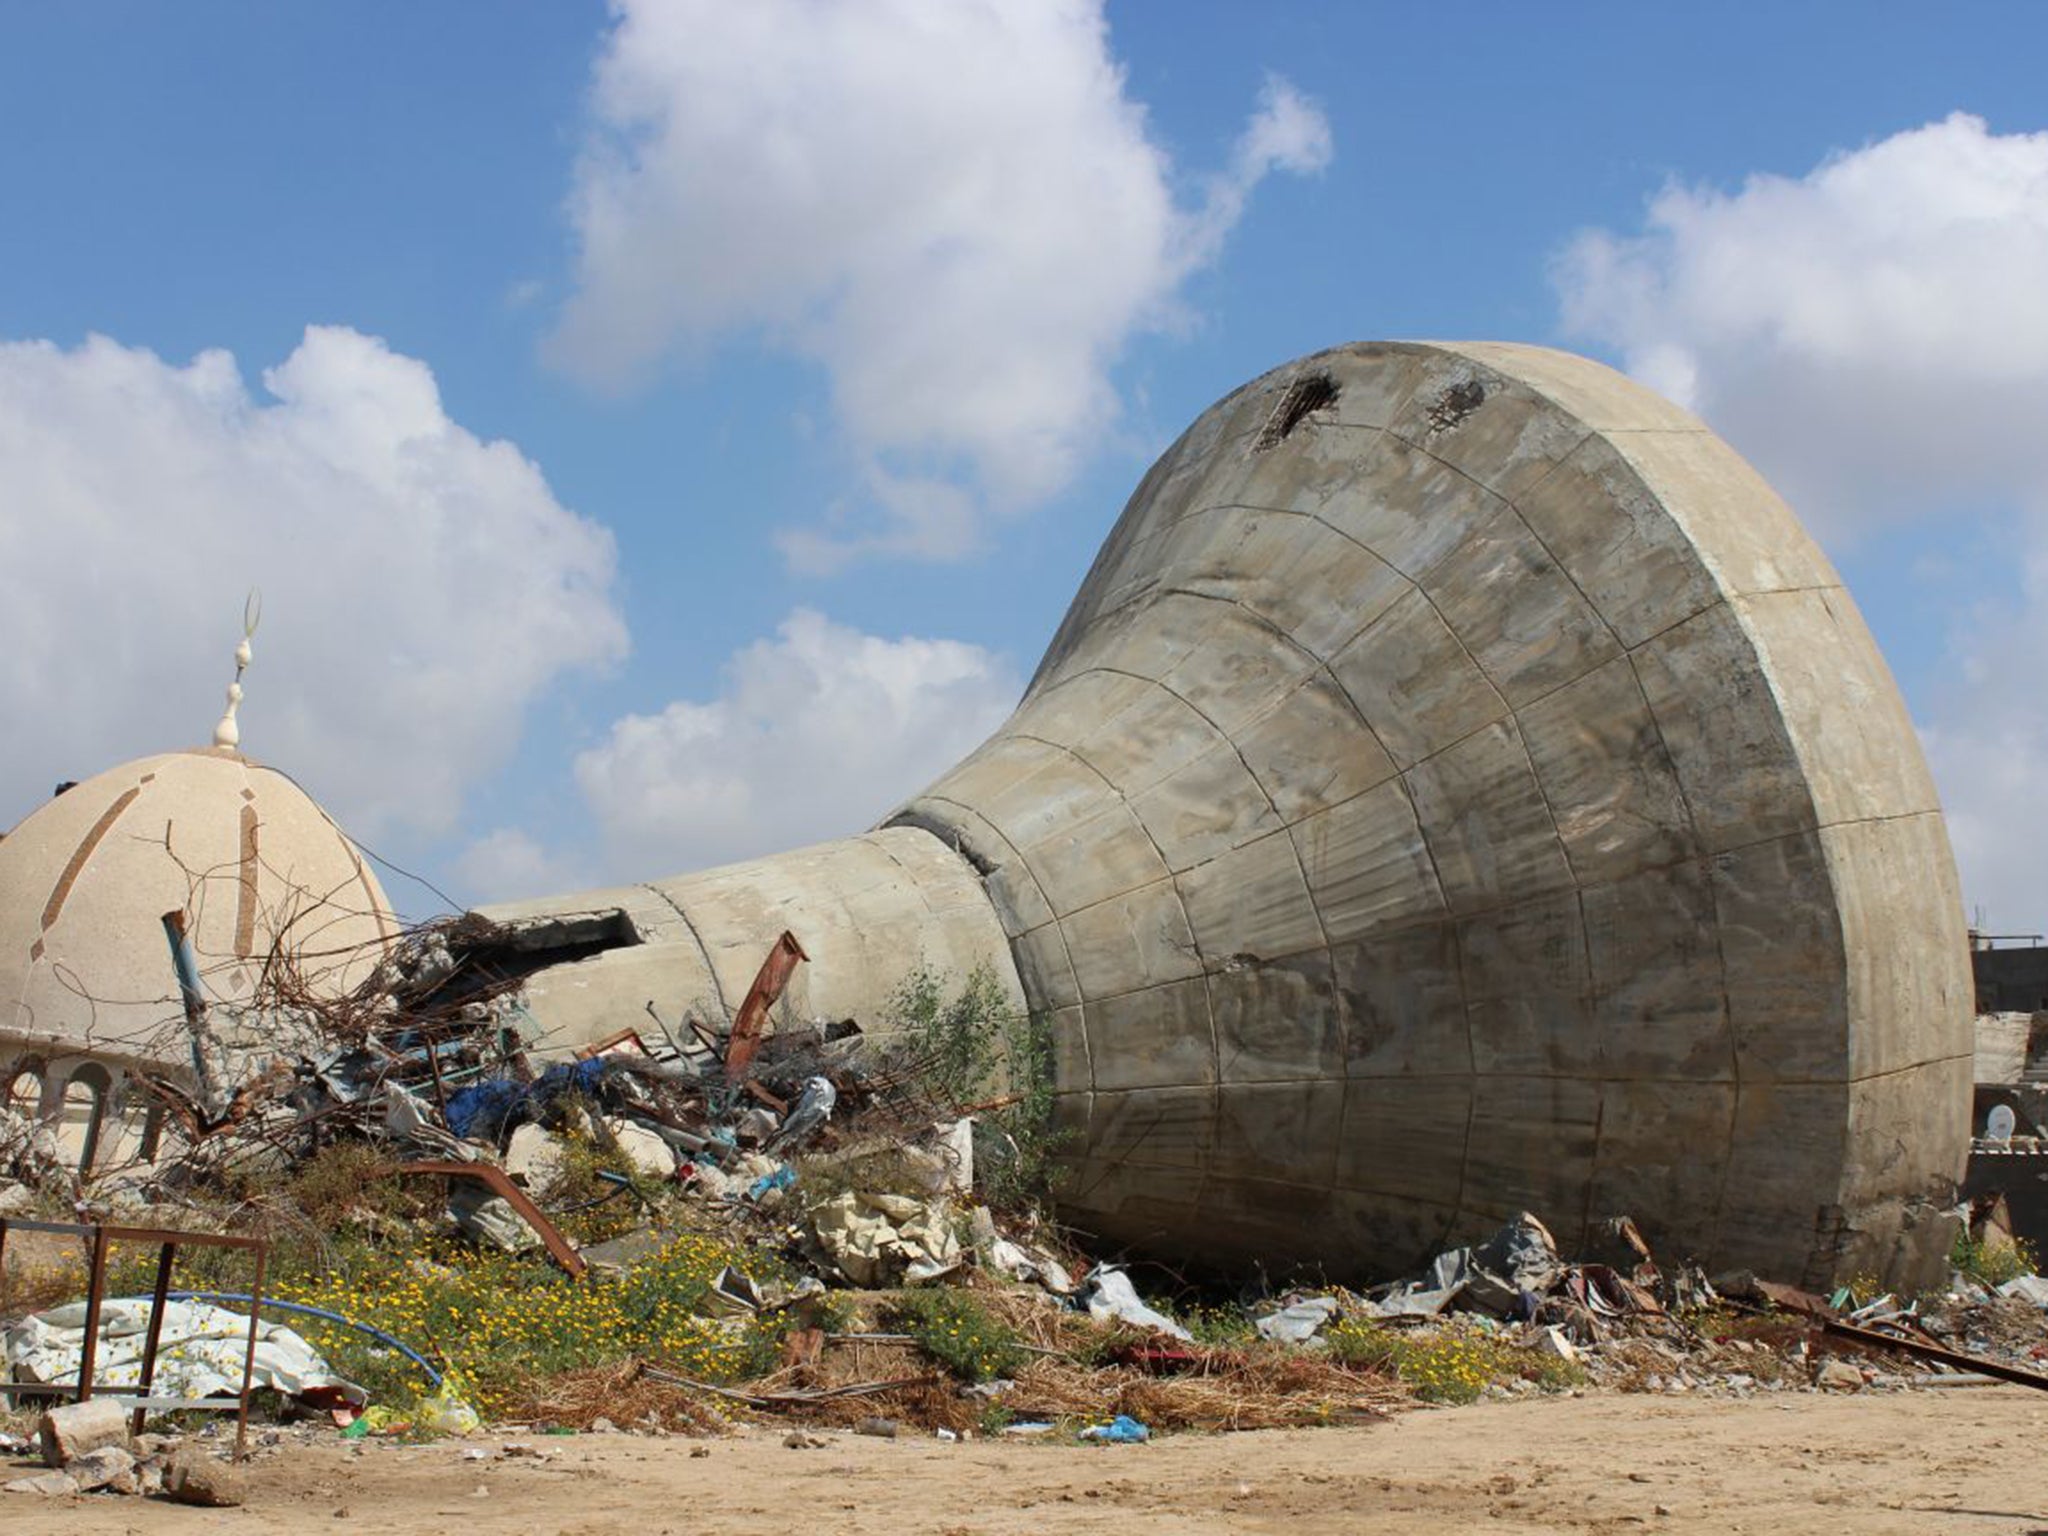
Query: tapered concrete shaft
[[1462, 786]]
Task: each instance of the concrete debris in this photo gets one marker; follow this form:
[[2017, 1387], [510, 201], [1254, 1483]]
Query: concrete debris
[[100, 1468], [2031, 1289], [50, 1484], [884, 1239], [72, 1430], [195, 1477]]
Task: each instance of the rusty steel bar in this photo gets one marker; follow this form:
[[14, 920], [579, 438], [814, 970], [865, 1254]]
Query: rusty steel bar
[[249, 1358], [95, 1293], [747, 1025], [1962, 1362], [166, 1256], [559, 1248]]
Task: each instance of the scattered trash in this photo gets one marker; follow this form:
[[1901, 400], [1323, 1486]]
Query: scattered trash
[[1299, 1321], [1109, 1293], [1121, 1430]]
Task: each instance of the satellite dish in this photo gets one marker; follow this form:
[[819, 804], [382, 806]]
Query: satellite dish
[[2000, 1123]]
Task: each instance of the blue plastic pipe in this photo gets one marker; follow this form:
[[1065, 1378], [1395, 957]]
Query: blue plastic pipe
[[378, 1334]]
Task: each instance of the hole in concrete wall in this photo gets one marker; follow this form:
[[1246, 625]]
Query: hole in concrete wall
[[1455, 404], [1310, 392], [488, 954]]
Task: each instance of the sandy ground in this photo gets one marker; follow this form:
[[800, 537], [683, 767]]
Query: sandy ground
[[1961, 1460]]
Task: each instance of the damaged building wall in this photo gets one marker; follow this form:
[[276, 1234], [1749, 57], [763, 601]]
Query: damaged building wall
[[89, 997], [1459, 787]]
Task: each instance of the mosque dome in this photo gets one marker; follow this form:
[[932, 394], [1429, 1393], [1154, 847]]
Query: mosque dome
[[257, 869]]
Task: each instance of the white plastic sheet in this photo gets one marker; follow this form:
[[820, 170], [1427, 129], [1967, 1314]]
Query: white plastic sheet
[[198, 1355]]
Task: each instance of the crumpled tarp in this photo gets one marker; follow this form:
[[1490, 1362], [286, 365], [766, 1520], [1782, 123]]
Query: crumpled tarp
[[878, 1239], [2031, 1289], [1110, 1294], [1300, 1321], [199, 1353], [1500, 1276], [486, 1111]]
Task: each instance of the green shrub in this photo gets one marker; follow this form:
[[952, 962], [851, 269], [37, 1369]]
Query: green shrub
[[958, 1332], [972, 1047], [1992, 1262]]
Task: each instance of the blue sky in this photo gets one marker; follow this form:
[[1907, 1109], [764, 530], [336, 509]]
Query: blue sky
[[825, 343]]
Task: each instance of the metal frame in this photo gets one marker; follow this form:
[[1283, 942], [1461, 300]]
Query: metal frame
[[98, 1239]]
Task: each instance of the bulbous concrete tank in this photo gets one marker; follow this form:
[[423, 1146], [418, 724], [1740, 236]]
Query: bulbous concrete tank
[[1460, 786]]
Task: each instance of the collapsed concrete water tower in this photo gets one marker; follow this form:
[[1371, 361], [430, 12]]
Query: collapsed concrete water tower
[[1460, 786]]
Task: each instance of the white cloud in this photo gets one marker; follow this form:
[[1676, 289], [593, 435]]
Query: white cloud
[[1875, 336], [818, 733], [421, 586], [956, 210], [510, 864]]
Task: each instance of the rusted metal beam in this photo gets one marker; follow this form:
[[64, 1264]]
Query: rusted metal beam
[[769, 981], [1950, 1357], [559, 1248]]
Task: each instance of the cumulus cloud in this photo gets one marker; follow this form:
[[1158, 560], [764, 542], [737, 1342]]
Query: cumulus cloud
[[421, 586], [510, 864], [1874, 334], [818, 732], [955, 210]]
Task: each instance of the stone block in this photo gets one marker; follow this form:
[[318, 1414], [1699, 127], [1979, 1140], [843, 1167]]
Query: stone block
[[194, 1477], [71, 1430]]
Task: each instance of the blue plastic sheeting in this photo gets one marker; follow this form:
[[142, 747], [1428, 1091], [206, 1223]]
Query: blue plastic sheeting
[[1121, 1430], [485, 1111]]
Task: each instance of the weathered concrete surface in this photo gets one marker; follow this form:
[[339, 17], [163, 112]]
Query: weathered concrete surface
[[1475, 794], [867, 910]]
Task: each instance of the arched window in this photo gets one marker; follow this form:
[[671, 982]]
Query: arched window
[[84, 1114], [24, 1091]]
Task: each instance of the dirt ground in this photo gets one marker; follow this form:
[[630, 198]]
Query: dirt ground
[[1959, 1460]]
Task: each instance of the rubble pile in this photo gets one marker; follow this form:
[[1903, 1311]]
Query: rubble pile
[[676, 1227]]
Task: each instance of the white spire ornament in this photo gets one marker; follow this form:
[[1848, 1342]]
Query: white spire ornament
[[228, 733]]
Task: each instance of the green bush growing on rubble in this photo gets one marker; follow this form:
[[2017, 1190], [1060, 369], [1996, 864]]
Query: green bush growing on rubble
[[958, 1332], [1449, 1362], [1990, 1261], [975, 1046]]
